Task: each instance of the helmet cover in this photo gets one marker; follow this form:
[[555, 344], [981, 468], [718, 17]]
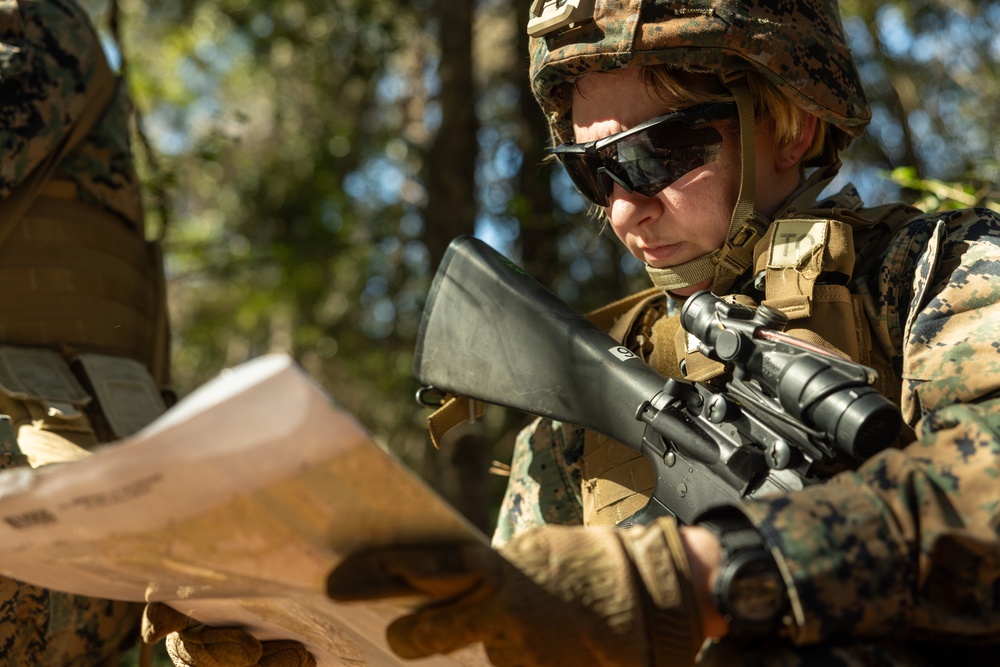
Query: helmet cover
[[797, 45]]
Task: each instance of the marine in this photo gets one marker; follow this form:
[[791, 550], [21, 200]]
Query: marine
[[705, 134], [84, 342]]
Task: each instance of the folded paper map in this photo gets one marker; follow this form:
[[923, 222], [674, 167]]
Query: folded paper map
[[233, 508]]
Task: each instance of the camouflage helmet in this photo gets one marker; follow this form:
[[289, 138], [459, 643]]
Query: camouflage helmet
[[798, 45]]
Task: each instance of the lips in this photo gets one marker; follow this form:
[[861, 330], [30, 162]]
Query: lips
[[660, 256]]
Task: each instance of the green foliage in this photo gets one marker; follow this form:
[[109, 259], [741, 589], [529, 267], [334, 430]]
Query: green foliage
[[930, 69], [284, 133], [941, 196]]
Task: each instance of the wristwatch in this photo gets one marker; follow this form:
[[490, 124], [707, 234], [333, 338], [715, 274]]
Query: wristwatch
[[749, 589]]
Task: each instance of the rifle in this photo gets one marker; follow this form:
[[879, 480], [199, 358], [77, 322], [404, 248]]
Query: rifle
[[491, 332]]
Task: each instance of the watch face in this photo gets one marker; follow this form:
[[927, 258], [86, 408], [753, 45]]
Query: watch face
[[756, 592], [756, 597]]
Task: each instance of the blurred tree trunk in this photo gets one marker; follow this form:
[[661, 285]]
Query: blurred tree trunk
[[459, 470], [534, 204], [451, 159]]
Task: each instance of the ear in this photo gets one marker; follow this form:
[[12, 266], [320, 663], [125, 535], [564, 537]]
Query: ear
[[790, 154]]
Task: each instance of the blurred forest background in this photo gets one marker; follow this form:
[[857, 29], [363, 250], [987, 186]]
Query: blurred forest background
[[307, 162]]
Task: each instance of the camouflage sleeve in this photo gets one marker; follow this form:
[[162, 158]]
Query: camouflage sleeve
[[48, 54], [544, 485], [908, 546], [46, 627]]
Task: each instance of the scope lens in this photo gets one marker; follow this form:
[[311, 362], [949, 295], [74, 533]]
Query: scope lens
[[699, 316], [862, 421]]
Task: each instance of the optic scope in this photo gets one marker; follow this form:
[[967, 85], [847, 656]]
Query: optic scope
[[827, 393]]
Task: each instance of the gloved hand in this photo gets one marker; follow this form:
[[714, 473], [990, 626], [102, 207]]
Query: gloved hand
[[191, 644], [555, 595]]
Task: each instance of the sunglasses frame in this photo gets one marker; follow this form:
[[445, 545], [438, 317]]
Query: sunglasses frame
[[698, 117]]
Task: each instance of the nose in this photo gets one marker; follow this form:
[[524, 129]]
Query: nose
[[627, 210]]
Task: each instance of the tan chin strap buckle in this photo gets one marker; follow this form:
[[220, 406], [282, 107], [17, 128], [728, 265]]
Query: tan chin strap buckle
[[736, 255], [722, 267]]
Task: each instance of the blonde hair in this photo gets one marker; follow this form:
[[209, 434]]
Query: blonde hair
[[770, 103]]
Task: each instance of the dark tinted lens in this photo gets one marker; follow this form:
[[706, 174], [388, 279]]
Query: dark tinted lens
[[584, 170], [645, 159], [650, 161]]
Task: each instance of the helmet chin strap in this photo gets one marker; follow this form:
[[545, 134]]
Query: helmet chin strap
[[727, 263]]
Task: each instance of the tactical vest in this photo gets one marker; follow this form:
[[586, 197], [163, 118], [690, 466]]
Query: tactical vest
[[805, 265], [76, 277]]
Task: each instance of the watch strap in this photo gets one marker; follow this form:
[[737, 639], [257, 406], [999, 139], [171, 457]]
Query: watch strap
[[741, 542], [734, 531]]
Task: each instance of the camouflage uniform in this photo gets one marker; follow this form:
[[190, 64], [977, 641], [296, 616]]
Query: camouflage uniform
[[544, 484], [906, 546], [49, 54], [897, 562]]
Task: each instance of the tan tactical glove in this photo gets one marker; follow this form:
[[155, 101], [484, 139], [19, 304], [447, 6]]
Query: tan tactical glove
[[557, 596], [191, 644]]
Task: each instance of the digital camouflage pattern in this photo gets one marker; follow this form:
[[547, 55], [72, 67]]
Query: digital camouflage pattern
[[799, 46], [544, 484], [48, 51], [907, 547], [39, 627], [910, 543]]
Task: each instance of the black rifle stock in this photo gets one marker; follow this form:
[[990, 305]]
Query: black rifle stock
[[493, 333]]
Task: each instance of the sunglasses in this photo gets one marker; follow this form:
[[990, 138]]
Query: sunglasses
[[648, 157]]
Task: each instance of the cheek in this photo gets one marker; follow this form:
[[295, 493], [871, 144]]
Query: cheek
[[728, 167], [618, 228], [724, 194]]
